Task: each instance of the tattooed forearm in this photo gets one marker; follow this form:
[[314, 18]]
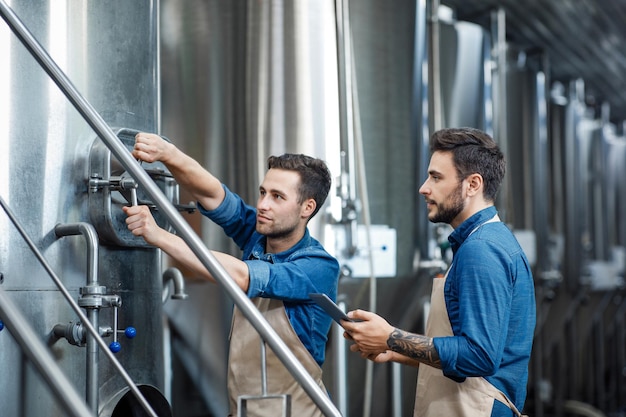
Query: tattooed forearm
[[415, 346]]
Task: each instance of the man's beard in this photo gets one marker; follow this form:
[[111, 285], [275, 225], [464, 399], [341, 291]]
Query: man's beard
[[449, 209], [276, 232]]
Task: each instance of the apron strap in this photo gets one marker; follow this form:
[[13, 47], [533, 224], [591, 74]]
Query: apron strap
[[504, 399]]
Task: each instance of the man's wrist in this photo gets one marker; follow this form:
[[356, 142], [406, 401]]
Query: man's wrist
[[415, 346]]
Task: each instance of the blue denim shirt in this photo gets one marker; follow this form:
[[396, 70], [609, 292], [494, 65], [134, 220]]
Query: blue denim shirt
[[490, 298], [288, 276]]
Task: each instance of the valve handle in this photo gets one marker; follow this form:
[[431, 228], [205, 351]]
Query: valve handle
[[130, 332], [115, 347]]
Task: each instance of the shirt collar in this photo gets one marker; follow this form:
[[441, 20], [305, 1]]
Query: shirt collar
[[461, 233], [258, 251]]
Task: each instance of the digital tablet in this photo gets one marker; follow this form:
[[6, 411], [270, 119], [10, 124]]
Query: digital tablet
[[330, 307]]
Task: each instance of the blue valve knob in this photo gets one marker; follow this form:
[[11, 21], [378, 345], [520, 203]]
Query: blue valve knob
[[1, 325], [115, 347], [130, 332]]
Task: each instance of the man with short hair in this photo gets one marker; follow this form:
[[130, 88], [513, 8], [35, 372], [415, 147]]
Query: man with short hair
[[482, 316], [281, 264]]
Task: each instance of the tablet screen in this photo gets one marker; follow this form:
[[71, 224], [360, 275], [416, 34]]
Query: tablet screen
[[329, 307]]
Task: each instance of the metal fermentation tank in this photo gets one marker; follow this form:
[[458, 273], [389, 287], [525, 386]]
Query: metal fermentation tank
[[48, 154]]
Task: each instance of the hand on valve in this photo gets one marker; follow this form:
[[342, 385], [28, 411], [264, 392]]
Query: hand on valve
[[141, 223]]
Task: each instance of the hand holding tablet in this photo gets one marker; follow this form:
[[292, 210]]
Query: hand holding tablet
[[330, 307]]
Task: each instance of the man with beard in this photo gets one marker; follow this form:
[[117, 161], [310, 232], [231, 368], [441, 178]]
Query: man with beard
[[281, 265], [473, 358]]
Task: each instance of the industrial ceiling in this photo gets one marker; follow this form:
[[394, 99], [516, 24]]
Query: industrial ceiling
[[582, 39]]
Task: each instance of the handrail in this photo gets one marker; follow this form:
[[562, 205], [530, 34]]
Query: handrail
[[183, 229], [41, 357], [86, 322]]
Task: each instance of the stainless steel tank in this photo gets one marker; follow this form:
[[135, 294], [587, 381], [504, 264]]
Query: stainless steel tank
[[48, 155]]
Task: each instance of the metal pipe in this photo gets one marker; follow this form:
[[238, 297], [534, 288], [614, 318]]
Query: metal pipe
[[361, 180], [263, 369], [420, 124], [344, 47], [352, 142], [41, 357], [91, 371], [183, 229], [436, 98], [340, 370], [396, 394], [83, 318], [175, 276], [346, 107], [93, 313], [90, 234], [498, 17]]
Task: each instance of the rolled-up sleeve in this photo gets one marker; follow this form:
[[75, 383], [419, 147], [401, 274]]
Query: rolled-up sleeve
[[259, 277], [307, 271]]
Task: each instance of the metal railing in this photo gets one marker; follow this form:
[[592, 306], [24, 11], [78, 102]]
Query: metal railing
[[95, 121], [83, 317]]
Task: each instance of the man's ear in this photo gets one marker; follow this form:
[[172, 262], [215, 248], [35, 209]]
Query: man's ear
[[308, 207], [475, 184]]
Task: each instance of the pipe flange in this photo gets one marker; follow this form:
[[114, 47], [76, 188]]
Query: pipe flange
[[90, 301], [93, 290]]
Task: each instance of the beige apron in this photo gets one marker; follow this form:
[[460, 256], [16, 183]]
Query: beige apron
[[244, 367], [438, 395]]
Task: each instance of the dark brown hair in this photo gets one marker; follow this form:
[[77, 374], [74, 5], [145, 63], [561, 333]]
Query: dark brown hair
[[473, 151], [315, 178]]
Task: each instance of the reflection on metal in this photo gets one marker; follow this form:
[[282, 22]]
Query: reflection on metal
[[41, 358]]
